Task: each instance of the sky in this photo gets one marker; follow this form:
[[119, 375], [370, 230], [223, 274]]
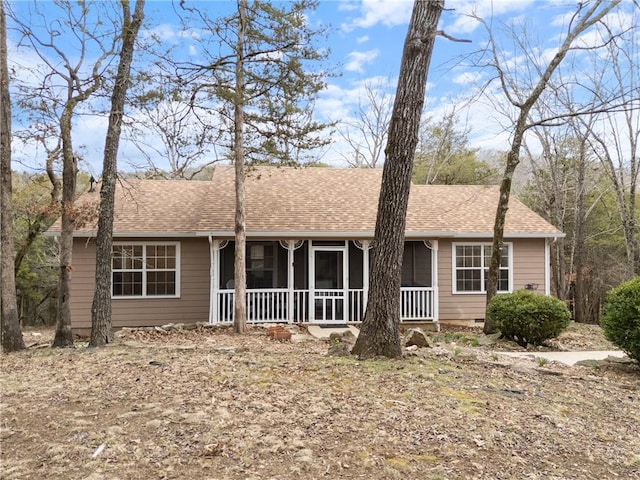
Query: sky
[[365, 40]]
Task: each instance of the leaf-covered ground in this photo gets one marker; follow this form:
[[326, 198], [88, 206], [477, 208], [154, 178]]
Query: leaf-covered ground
[[206, 404]]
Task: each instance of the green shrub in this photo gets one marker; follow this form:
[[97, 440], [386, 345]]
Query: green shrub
[[527, 317], [621, 317]]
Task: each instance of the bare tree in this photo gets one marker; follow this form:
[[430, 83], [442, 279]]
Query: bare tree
[[9, 323], [522, 99], [444, 157], [71, 83], [380, 332], [366, 135], [165, 124], [615, 136], [101, 332]]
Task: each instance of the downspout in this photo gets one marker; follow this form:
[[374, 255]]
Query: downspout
[[547, 265], [210, 279]]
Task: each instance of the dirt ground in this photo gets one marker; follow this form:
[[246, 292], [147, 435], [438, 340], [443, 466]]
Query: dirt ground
[[207, 404]]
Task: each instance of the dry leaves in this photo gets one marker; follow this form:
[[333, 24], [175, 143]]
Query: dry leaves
[[207, 404]]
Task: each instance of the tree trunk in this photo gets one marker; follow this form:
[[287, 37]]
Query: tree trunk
[[579, 290], [240, 273], [590, 18], [64, 335], [9, 323], [380, 334], [101, 332]]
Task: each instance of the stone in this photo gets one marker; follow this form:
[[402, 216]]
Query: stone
[[491, 339], [340, 349], [335, 337], [348, 337], [416, 336]]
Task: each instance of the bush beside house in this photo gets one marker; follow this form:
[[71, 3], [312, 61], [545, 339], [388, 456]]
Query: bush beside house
[[527, 317], [621, 317]]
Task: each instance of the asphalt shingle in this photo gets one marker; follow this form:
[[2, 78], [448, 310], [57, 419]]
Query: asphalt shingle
[[287, 201]]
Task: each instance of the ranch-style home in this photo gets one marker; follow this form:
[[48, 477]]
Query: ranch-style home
[[309, 232]]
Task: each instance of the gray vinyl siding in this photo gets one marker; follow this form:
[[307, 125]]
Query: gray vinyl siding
[[528, 258], [192, 306]]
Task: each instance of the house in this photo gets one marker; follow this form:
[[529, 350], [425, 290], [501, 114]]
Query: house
[[309, 232]]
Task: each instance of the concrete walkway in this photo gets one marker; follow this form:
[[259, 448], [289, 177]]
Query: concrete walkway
[[568, 358], [320, 333]]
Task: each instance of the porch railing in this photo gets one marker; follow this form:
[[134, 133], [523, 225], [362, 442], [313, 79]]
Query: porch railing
[[272, 305]]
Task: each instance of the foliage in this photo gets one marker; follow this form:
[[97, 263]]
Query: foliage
[[527, 317], [282, 71], [444, 157], [621, 317], [36, 256]]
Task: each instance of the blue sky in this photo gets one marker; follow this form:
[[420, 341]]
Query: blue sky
[[366, 42]]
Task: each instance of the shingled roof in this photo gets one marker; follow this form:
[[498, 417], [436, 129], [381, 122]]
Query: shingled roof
[[307, 202]]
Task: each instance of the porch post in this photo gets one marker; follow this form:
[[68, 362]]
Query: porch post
[[365, 275], [290, 281], [434, 279], [215, 280], [312, 283]]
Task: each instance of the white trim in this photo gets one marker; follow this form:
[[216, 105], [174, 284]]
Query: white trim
[[144, 296], [368, 234], [366, 247], [215, 280], [434, 279], [136, 234], [317, 235], [454, 290], [547, 267], [291, 244], [507, 235], [345, 279], [321, 234]]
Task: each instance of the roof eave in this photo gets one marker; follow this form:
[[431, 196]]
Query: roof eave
[[138, 234]]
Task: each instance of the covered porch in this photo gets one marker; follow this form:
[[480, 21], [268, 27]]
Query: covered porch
[[317, 281]]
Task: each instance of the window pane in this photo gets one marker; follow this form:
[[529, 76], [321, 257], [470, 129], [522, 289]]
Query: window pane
[[504, 256], [487, 255], [459, 256], [161, 283], [116, 259], [137, 257], [503, 280], [468, 280], [474, 254], [127, 283]]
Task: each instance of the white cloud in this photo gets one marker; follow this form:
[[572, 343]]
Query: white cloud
[[363, 39], [467, 78], [464, 10], [386, 12], [357, 60]]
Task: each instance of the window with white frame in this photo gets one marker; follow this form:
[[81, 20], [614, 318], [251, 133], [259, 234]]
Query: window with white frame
[[471, 267], [145, 269]]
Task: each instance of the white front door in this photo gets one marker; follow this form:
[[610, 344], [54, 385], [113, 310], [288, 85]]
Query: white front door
[[328, 280]]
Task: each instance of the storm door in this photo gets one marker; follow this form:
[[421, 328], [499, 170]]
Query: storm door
[[329, 285]]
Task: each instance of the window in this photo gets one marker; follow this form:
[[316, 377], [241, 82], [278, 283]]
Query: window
[[471, 267], [145, 270], [260, 266]]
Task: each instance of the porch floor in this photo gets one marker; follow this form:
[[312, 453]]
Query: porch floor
[[323, 333]]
